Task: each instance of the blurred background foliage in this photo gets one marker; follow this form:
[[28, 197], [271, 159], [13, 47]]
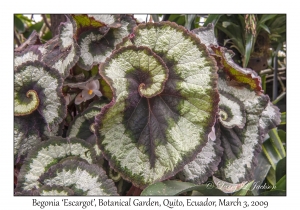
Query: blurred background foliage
[[24, 25]]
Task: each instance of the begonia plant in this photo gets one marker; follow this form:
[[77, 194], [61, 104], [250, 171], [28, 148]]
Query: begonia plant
[[149, 102]]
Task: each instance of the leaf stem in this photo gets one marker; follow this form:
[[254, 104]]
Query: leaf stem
[[281, 96], [17, 39], [46, 21]]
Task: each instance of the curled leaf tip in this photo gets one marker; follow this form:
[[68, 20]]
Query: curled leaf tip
[[29, 105], [146, 68], [236, 74]]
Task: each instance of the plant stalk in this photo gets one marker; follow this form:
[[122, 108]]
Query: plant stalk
[[275, 82]]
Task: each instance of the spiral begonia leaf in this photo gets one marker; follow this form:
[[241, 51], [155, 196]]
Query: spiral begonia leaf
[[62, 51], [25, 107], [39, 115], [235, 72], [48, 153], [231, 111], [205, 163], [45, 84], [141, 64], [164, 103], [81, 177], [96, 45], [241, 137], [238, 117]]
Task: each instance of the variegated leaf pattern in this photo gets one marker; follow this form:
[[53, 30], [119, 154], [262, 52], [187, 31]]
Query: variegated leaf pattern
[[81, 177], [47, 154], [112, 21], [161, 81], [97, 44], [26, 137], [55, 190], [270, 118], [28, 132], [206, 36], [30, 54], [83, 125], [62, 51], [39, 106], [242, 107], [164, 103], [37, 87], [47, 190], [205, 163], [240, 112]]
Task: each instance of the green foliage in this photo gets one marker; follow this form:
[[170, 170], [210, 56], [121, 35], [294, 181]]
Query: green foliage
[[283, 118], [19, 25], [178, 188], [190, 21], [274, 151], [25, 26], [212, 19], [280, 189], [243, 30], [244, 190]]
